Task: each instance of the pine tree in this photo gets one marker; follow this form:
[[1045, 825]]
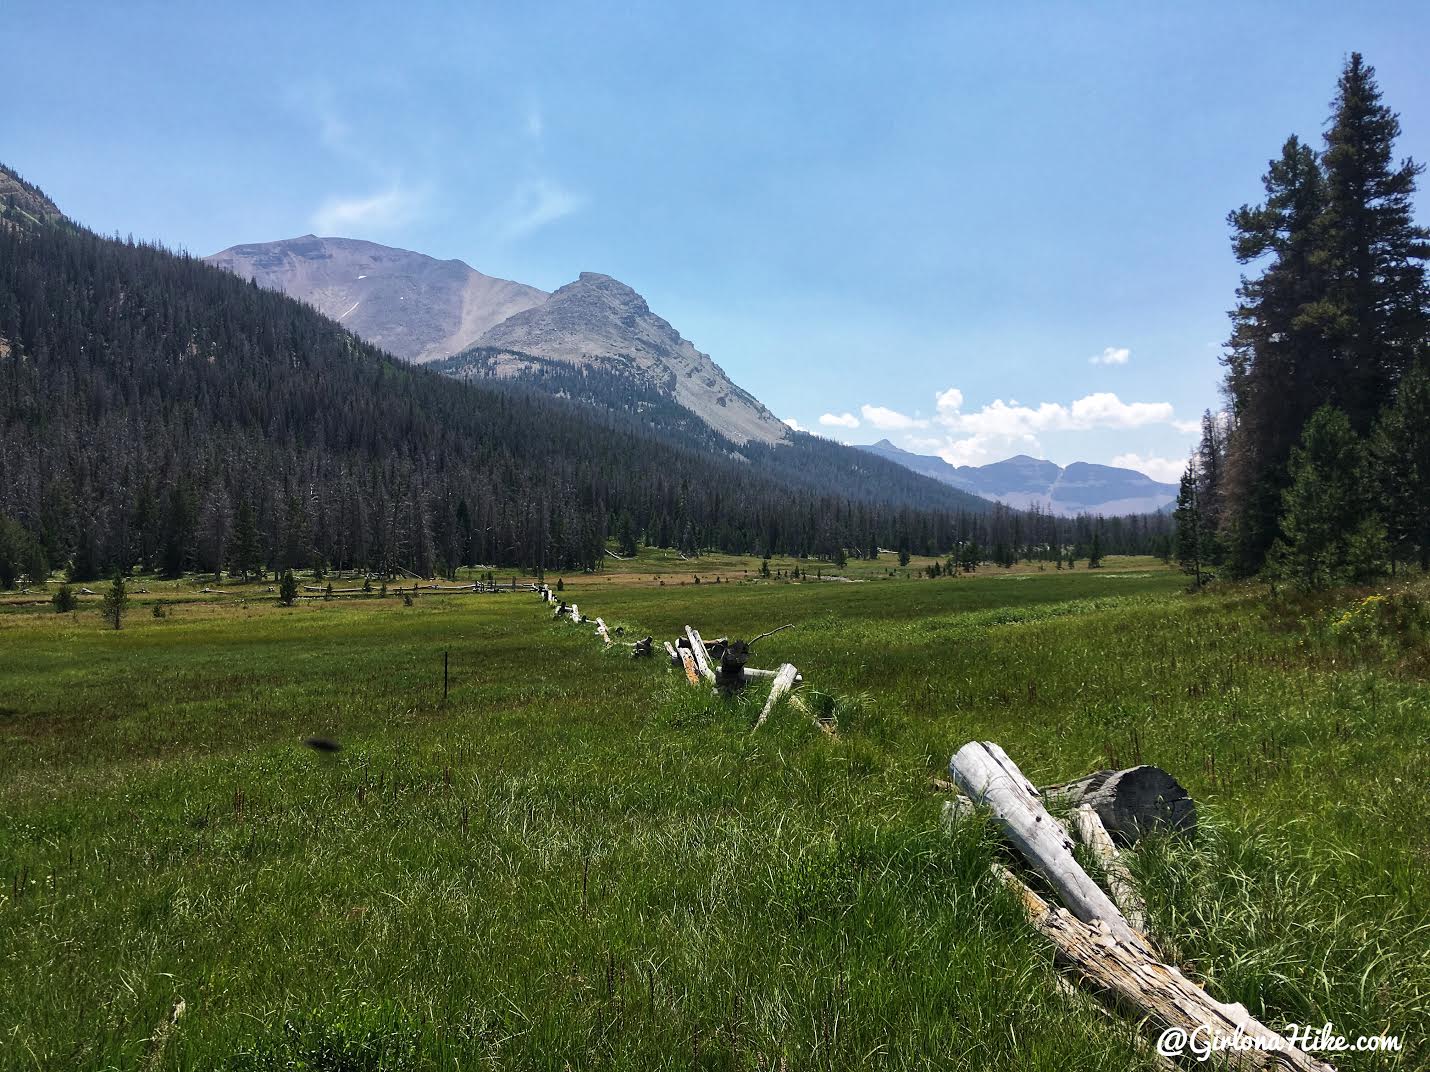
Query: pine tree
[[1376, 307], [115, 602], [1094, 551], [1400, 452], [1330, 533], [1277, 368], [1191, 526], [245, 553], [64, 599], [288, 589]]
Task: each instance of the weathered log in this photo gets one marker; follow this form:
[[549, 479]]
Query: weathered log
[[988, 776], [560, 610], [1090, 831], [642, 649], [670, 650], [1132, 802], [1132, 974], [576, 614], [687, 659], [730, 672], [702, 657], [751, 671], [603, 632], [784, 680]]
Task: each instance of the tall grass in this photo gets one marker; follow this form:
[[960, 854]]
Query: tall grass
[[576, 861]]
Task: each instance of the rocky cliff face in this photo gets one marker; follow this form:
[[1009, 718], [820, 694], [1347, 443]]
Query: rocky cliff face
[[413, 306], [599, 320]]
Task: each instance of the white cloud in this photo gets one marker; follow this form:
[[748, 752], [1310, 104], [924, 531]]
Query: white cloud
[[890, 420], [1106, 410], [794, 424], [949, 401], [839, 420], [1167, 470], [361, 214], [1187, 427], [534, 205], [1111, 355]]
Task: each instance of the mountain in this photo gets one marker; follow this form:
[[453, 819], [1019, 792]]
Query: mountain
[[598, 319], [411, 305], [1025, 482], [421, 309], [161, 413]]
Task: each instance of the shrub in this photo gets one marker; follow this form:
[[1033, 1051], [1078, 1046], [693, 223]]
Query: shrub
[[1393, 619], [64, 599]]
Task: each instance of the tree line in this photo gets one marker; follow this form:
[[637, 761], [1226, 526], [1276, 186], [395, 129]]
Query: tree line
[[1318, 470]]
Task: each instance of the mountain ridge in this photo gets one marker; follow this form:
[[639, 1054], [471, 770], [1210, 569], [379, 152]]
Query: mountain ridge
[[1026, 482]]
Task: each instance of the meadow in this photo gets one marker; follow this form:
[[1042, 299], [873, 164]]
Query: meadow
[[575, 860]]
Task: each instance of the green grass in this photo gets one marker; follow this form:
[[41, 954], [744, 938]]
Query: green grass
[[576, 861]]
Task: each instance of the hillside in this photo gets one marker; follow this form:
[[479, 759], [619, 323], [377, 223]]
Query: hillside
[[159, 412], [413, 306], [1024, 482]]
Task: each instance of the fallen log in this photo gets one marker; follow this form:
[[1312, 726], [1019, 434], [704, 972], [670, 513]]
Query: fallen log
[[670, 650], [576, 615], [642, 649], [784, 680], [1094, 836], [986, 773], [701, 656], [1131, 802], [751, 671], [730, 673], [687, 660], [1132, 974], [603, 632]]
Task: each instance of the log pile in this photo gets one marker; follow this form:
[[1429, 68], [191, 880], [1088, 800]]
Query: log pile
[[1097, 935]]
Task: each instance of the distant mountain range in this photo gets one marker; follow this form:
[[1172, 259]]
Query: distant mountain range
[[1024, 482], [422, 310]]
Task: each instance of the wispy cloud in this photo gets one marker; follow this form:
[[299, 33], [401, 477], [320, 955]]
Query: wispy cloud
[[366, 213], [534, 122], [534, 205], [1112, 355], [839, 420], [1167, 470]]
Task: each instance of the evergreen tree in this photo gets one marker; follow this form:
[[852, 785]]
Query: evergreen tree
[[115, 602], [1376, 308], [1400, 450], [1330, 533], [64, 599], [1277, 367], [20, 555], [288, 589], [245, 552], [1191, 525], [1094, 551]]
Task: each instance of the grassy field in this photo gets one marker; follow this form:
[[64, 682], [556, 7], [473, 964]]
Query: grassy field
[[577, 861]]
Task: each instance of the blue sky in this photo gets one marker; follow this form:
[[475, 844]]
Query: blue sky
[[975, 229]]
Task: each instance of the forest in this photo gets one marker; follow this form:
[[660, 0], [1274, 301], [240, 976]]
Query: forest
[[162, 415]]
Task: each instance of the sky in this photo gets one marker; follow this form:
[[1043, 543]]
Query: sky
[[975, 229]]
